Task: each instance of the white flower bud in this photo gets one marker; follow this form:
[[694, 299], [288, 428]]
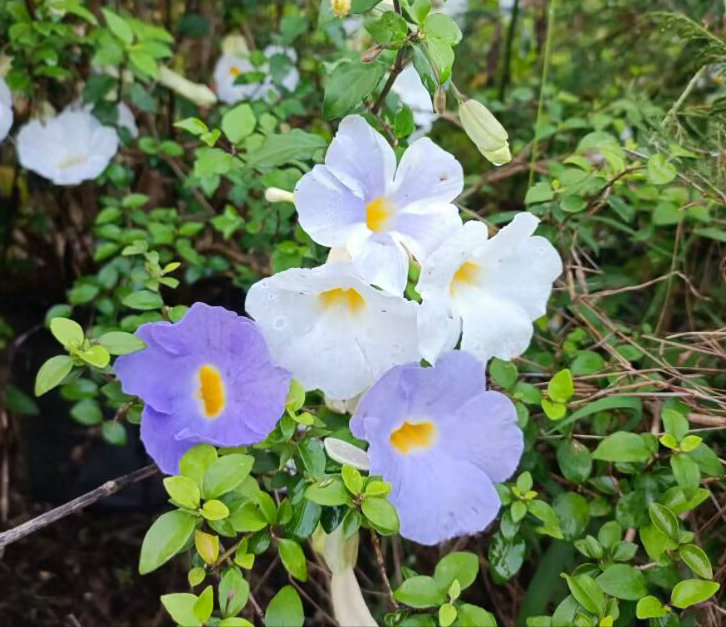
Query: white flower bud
[[199, 94], [235, 44], [275, 194], [485, 131]]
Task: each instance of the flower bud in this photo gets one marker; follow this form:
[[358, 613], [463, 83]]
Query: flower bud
[[340, 8], [275, 194], [199, 94], [372, 54], [485, 131], [440, 100], [235, 44]]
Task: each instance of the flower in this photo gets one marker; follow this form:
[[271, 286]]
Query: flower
[[340, 8], [485, 131], [330, 329], [6, 110], [67, 149], [415, 96], [232, 64], [206, 379], [487, 290], [441, 440], [360, 200]]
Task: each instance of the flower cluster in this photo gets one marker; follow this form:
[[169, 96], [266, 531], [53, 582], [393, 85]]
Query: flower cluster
[[345, 328]]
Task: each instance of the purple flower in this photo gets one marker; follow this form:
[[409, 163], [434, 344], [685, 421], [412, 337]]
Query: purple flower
[[442, 440], [206, 379]]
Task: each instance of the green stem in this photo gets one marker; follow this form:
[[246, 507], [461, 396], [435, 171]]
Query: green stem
[[545, 72]]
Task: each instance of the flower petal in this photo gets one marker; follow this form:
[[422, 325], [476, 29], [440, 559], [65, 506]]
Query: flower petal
[[380, 260], [362, 154], [160, 444], [493, 327], [438, 329], [327, 208], [429, 173], [421, 226]]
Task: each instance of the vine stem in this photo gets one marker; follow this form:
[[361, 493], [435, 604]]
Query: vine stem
[[382, 567], [397, 67], [545, 72], [101, 492], [682, 98]]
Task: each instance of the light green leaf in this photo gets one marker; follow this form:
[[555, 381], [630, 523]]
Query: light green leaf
[[238, 123], [165, 538], [622, 581], [664, 520], [460, 566], [226, 473], [692, 591], [649, 607], [285, 609], [51, 373], [121, 343], [68, 332], [697, 560], [622, 446], [420, 592], [381, 514], [293, 558], [180, 607], [561, 388]]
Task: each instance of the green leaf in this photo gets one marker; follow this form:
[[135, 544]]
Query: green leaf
[[144, 300], [650, 607], [475, 616], [285, 609], [381, 514], [180, 607], [225, 474], [664, 520], [279, 149], [348, 85], [144, 63], [553, 411], [544, 511], [561, 388], [447, 614], [390, 27], [233, 592], [539, 192], [686, 472], [247, 518], [215, 510], [313, 457], [692, 591], [575, 460], [503, 372], [420, 592], [573, 512], [192, 125], [52, 373], [87, 412], [114, 433], [121, 343], [239, 123], [293, 558], [19, 402], [697, 560], [675, 423], [195, 462], [68, 332], [165, 538], [622, 446], [440, 55], [95, 355], [331, 492], [622, 581], [460, 566], [118, 26], [587, 593], [352, 480], [204, 604], [660, 172], [441, 26]]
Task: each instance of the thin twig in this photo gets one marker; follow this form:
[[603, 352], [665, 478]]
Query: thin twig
[[382, 568], [101, 492]]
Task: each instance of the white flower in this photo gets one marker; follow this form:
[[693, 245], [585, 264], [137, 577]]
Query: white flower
[[415, 96], [359, 200], [231, 65], [330, 329], [489, 290], [6, 110], [67, 149]]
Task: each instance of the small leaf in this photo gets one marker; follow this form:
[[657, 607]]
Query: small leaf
[[204, 604], [144, 300], [458, 566], [348, 85], [587, 593], [195, 462], [207, 546], [52, 373], [285, 609], [381, 514], [214, 510], [96, 356], [330, 492], [233, 592], [121, 343], [180, 607], [660, 172], [238, 123], [226, 473], [293, 558], [649, 607], [503, 372], [622, 581], [622, 446], [697, 560], [664, 520], [68, 332], [692, 591], [353, 479], [118, 26], [183, 491], [420, 592], [165, 538], [561, 388]]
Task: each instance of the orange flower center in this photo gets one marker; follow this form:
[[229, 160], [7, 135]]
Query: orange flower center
[[346, 299], [378, 214], [211, 391], [413, 437]]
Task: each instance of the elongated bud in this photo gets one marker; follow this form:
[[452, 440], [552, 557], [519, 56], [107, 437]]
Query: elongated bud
[[371, 54], [340, 7], [485, 131], [275, 194], [199, 94], [235, 44], [440, 100]]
